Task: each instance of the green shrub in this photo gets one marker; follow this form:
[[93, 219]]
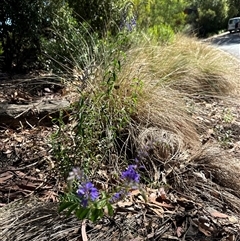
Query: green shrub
[[161, 33], [68, 43], [98, 119]]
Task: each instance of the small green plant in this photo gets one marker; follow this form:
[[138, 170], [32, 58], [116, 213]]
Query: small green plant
[[100, 116], [228, 116], [86, 201], [226, 139], [95, 120]]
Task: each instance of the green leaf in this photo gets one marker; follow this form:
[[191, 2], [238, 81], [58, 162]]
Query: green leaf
[[104, 195], [82, 213], [95, 214], [110, 209], [101, 204], [64, 205], [74, 206]]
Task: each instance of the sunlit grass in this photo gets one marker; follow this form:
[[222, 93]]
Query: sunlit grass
[[187, 65]]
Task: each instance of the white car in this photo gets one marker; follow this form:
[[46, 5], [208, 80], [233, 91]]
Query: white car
[[233, 24]]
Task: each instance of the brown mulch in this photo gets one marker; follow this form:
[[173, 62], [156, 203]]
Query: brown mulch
[[26, 164], [25, 161], [196, 202]]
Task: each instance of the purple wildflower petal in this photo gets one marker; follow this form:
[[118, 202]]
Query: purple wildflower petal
[[87, 192], [115, 197], [118, 196], [136, 160], [84, 202], [130, 174]]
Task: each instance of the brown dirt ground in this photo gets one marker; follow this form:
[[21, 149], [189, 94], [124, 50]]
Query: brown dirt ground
[[201, 201]]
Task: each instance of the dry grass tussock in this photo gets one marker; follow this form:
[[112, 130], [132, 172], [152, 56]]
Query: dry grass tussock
[[170, 74], [187, 65], [223, 168], [157, 81]]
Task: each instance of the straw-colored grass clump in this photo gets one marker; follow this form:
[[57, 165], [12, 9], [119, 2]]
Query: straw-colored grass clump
[[168, 75], [188, 65]]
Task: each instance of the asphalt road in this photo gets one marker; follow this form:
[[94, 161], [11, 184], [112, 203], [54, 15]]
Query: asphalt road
[[228, 42]]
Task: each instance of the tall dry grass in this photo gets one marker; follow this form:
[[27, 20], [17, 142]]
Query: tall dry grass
[[168, 74], [187, 65]]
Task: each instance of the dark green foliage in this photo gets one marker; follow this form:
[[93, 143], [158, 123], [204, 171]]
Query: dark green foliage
[[21, 24], [39, 34], [208, 17], [101, 15], [234, 8], [68, 43]]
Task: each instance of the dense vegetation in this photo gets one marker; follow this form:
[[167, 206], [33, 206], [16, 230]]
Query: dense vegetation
[[31, 34]]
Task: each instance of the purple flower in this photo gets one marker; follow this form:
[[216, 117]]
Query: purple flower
[[130, 174], [117, 196], [87, 192]]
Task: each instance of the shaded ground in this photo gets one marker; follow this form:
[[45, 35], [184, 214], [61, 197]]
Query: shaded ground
[[25, 160], [192, 205]]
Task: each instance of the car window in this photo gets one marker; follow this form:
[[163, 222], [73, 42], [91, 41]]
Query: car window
[[233, 21]]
